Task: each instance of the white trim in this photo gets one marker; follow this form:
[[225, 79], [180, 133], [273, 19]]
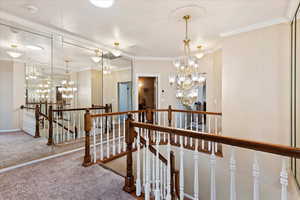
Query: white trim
[[136, 89], [292, 8], [254, 27], [10, 130]]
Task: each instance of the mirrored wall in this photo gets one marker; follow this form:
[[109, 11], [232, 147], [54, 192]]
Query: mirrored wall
[[295, 91], [39, 70]]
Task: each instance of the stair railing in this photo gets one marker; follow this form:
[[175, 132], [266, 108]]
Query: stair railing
[[196, 138], [67, 125]]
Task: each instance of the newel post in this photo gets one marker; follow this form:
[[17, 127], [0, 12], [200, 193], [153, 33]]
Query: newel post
[[170, 116], [129, 138], [87, 128], [37, 121], [50, 118]]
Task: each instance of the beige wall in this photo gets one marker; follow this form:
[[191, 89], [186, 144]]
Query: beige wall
[[12, 94], [110, 84]]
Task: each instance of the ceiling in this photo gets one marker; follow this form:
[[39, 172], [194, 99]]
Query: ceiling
[[149, 28]]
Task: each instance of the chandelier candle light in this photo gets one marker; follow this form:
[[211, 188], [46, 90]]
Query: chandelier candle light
[[68, 88], [187, 78]]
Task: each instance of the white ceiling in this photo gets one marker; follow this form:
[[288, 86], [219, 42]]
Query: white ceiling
[[149, 27]]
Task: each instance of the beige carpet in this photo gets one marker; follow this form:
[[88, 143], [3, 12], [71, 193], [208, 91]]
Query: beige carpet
[[62, 178], [19, 147]]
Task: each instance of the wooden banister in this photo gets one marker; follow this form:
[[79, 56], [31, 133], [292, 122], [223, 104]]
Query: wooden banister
[[129, 138], [88, 124], [248, 144], [50, 118]]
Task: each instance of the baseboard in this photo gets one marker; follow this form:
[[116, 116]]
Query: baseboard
[[10, 130]]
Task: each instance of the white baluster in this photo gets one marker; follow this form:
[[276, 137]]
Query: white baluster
[[124, 142], [157, 191], [69, 119], [101, 138], [153, 173], [94, 140], [57, 132], [196, 168], [216, 131], [147, 185], [203, 129], [144, 164], [284, 181], [191, 128], [165, 182], [175, 124], [79, 124], [114, 135], [256, 192], [209, 131], [169, 197], [185, 127], [161, 179], [107, 142], [138, 168], [213, 175], [232, 168], [119, 132], [181, 180]]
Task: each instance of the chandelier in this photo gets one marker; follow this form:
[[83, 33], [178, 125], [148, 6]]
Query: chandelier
[[187, 78], [43, 91], [68, 88]]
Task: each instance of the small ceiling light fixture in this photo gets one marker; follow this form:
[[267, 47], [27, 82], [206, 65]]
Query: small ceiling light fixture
[[34, 47], [13, 53], [102, 3], [116, 51], [199, 54], [97, 58]]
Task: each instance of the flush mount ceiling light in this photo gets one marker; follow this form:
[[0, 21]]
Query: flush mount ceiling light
[[97, 58], [116, 51], [13, 53], [199, 54], [102, 3], [34, 47]]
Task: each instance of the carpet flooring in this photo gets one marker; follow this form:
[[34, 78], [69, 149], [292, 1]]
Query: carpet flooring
[[62, 178], [19, 147]]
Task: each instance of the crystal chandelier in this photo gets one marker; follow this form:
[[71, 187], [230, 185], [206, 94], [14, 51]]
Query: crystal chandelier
[[68, 88], [43, 91], [187, 78]]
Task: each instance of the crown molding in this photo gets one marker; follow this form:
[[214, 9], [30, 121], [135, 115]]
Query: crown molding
[[292, 8], [255, 27]]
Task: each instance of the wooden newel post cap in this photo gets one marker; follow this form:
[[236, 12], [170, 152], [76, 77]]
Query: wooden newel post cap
[[87, 121], [22, 107]]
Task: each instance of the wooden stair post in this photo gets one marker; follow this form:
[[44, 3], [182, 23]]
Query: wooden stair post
[[50, 118], [37, 121], [87, 128], [170, 116], [129, 138]]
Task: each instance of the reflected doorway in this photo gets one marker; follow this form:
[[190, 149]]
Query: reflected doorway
[[124, 96]]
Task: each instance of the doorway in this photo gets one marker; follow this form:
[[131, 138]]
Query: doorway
[[124, 96], [147, 92]]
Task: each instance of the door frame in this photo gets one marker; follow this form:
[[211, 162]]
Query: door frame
[[136, 88]]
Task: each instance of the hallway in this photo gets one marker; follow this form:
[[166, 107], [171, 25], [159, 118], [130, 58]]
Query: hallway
[[62, 178]]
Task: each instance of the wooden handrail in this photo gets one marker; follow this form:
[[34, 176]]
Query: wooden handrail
[[25, 107], [117, 113], [248, 144], [78, 109], [197, 112]]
